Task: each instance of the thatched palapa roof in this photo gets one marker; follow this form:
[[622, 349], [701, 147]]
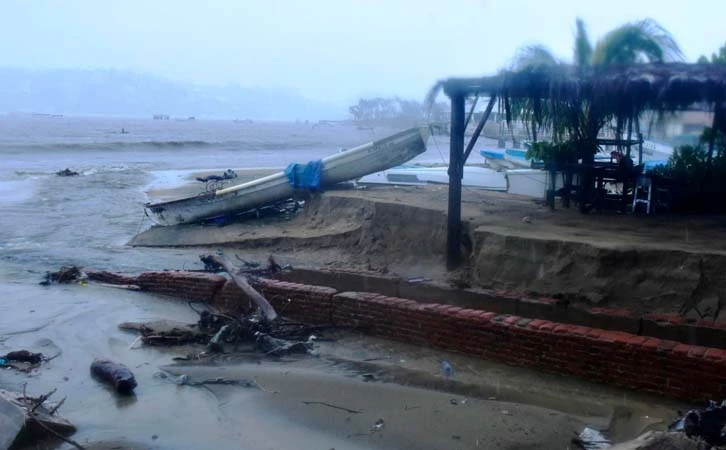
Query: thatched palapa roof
[[614, 90]]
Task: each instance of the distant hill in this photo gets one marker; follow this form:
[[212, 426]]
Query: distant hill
[[115, 92]]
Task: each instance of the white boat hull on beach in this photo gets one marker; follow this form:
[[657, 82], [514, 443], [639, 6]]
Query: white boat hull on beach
[[478, 177], [347, 165]]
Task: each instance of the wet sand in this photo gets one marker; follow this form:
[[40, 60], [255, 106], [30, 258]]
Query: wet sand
[[409, 394]]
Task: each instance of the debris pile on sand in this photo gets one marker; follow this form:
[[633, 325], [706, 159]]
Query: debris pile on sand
[[26, 419], [659, 440], [66, 275]]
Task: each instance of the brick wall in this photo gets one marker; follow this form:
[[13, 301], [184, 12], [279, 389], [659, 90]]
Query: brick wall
[[187, 285], [658, 366], [312, 304], [662, 326], [617, 358]]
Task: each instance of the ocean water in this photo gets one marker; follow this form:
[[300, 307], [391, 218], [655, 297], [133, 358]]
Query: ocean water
[[47, 221]]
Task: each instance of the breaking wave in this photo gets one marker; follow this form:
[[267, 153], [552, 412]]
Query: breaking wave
[[171, 144]]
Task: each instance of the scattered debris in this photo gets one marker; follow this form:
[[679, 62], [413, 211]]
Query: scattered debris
[[348, 410], [238, 276], [24, 356], [116, 374], [659, 440], [67, 173], [66, 274], [415, 280], [228, 174], [184, 380], [707, 423], [167, 332], [22, 360], [591, 439], [128, 287], [368, 377], [274, 346], [24, 418], [215, 344], [447, 369]]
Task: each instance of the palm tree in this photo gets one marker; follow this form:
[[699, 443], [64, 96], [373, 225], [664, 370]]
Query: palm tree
[[631, 43]]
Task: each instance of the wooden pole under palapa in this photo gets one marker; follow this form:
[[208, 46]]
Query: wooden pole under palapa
[[456, 167]]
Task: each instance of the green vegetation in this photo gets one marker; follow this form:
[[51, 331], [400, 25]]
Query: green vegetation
[[631, 43], [394, 110], [697, 176], [716, 58]]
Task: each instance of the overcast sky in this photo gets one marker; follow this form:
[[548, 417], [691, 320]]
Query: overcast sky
[[332, 50]]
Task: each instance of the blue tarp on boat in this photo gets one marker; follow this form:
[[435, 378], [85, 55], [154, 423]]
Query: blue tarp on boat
[[305, 176]]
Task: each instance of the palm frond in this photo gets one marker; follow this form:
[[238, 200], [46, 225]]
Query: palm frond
[[532, 56], [583, 48], [643, 41]]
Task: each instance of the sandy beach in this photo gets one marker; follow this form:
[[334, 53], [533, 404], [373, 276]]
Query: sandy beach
[[90, 219]]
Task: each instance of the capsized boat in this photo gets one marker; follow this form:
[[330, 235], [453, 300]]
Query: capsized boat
[[477, 177], [344, 166]]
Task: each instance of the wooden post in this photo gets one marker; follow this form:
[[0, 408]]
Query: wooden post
[[456, 165], [630, 135]]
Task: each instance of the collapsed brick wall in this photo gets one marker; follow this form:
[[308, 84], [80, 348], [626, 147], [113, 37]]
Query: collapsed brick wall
[[659, 325], [657, 366]]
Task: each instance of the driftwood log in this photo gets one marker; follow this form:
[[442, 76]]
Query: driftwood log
[[240, 279], [116, 374]]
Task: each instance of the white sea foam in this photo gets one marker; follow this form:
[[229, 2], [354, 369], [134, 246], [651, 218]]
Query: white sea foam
[[15, 191]]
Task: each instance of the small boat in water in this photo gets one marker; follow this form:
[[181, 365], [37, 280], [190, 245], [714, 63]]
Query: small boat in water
[[347, 165]]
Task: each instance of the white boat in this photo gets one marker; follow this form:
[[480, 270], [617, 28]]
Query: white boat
[[478, 177], [344, 166], [531, 182], [506, 158]]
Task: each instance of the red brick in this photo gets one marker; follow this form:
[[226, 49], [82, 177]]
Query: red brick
[[594, 333], [682, 349], [580, 331], [563, 329], [486, 315], [715, 354], [512, 320]]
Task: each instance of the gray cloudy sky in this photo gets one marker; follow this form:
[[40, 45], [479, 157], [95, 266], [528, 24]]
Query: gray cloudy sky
[[332, 50]]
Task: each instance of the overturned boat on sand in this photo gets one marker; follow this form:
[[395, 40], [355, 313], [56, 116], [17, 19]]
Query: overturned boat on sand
[[347, 165]]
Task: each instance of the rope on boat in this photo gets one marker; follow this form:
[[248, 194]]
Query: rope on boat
[[146, 214]]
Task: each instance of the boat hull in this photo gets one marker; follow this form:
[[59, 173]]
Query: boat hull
[[477, 177], [347, 165]]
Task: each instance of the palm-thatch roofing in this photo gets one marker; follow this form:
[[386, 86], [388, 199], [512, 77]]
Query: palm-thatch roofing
[[613, 90]]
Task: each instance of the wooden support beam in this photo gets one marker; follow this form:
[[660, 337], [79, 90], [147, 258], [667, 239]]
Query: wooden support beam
[[471, 112], [456, 165], [479, 128]]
